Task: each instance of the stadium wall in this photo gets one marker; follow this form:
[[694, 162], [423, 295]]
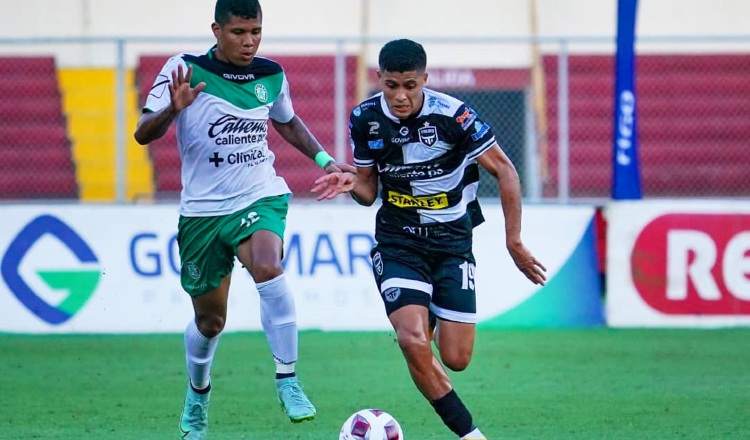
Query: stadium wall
[[115, 269]]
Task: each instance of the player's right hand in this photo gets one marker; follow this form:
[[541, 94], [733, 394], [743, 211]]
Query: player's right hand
[[182, 94], [333, 184], [527, 263]]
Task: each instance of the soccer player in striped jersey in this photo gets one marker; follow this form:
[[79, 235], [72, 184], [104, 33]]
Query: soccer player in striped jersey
[[423, 148]]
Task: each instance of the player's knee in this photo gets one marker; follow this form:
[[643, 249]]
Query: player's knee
[[413, 344], [456, 364], [210, 325], [457, 361], [266, 271]]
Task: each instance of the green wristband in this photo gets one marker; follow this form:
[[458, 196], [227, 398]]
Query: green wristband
[[323, 159]]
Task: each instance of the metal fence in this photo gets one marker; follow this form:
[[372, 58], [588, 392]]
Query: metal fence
[[68, 108]]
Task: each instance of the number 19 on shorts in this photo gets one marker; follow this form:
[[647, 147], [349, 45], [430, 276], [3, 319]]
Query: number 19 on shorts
[[467, 270]]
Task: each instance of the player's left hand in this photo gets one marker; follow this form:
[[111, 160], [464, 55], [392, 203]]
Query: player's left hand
[[334, 183], [527, 263]]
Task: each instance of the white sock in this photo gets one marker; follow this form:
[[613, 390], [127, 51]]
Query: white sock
[[279, 319], [476, 434], [199, 354], [285, 368]]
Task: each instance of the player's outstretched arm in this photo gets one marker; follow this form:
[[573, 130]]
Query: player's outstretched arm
[[296, 133], [497, 163], [152, 126]]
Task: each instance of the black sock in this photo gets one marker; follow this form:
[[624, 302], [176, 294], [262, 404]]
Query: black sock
[[285, 375], [203, 391], [456, 417]]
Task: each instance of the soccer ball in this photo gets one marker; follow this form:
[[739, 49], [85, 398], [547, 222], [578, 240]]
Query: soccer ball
[[371, 424]]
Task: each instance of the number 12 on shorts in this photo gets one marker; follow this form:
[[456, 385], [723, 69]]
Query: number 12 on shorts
[[467, 269]]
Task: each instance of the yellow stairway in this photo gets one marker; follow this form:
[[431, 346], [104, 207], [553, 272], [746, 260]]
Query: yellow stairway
[[88, 99]]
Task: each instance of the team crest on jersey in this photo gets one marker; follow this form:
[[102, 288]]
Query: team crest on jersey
[[428, 134], [261, 93]]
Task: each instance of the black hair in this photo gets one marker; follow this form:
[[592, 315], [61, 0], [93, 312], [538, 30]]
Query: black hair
[[402, 56], [225, 9]]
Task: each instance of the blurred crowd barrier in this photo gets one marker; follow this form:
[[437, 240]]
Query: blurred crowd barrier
[[68, 109]]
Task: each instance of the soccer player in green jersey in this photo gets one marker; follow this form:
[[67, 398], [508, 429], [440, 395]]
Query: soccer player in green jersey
[[232, 202]]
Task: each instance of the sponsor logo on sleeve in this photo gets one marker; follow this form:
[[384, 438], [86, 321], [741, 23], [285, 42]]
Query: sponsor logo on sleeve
[[376, 144], [480, 129], [434, 101], [466, 118]]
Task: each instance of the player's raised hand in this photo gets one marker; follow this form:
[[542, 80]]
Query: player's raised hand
[[182, 94], [333, 184], [527, 263]]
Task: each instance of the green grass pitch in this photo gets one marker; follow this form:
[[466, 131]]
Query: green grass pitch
[[522, 384]]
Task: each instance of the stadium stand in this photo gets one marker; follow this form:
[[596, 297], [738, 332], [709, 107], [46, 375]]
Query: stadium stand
[[35, 157], [692, 120], [90, 107], [312, 89]]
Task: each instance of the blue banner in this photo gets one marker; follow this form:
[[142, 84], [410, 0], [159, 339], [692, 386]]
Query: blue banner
[[626, 170]]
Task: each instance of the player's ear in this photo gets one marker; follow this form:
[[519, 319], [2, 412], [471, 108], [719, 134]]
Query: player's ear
[[426, 75], [216, 29]]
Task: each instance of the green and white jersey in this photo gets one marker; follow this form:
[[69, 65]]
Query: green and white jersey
[[226, 163]]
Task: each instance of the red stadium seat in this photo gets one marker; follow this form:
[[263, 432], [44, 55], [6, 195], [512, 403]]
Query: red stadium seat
[[16, 159], [27, 66], [31, 111], [29, 88], [34, 134], [22, 184], [35, 155], [692, 122]]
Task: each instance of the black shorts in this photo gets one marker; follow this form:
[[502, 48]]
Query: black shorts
[[438, 279]]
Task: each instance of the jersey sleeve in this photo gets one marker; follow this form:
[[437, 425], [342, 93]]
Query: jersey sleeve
[[159, 96], [473, 135], [282, 109], [361, 150]]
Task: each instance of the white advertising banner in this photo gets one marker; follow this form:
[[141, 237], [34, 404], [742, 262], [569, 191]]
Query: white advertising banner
[[678, 263], [115, 269]]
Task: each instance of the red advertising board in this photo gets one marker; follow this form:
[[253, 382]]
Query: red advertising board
[[679, 263]]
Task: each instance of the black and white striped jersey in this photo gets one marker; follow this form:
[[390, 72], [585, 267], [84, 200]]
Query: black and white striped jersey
[[427, 164]]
